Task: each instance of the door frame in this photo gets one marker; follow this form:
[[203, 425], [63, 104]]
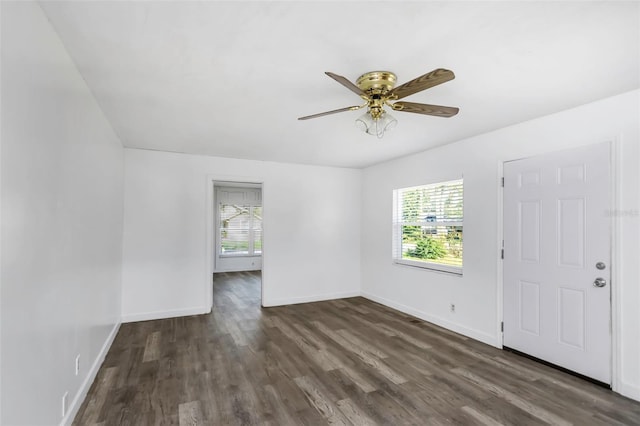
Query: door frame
[[210, 215], [615, 161], [217, 259]]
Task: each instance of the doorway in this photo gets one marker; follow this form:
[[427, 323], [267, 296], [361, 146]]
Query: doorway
[[235, 236], [238, 227], [557, 259]]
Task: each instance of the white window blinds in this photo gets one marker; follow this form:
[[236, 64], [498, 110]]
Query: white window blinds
[[239, 221], [428, 226], [240, 229]]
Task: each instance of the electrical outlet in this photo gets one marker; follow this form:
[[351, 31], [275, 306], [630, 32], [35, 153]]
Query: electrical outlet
[[64, 404], [77, 364], [452, 307]]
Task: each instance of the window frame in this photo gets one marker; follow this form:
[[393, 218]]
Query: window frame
[[397, 234]]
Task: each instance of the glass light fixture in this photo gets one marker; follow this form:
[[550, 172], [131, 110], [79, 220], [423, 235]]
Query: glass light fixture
[[378, 125]]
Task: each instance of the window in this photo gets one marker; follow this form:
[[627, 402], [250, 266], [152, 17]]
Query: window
[[428, 224], [240, 230]]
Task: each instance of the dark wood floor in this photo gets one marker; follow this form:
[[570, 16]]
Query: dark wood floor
[[347, 361]]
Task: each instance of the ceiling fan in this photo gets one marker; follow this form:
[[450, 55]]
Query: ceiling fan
[[376, 89]]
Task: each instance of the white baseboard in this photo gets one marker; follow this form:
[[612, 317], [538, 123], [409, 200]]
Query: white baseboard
[[465, 331], [629, 390], [90, 377], [172, 313], [308, 299]]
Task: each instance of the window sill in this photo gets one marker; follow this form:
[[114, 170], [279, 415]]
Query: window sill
[[452, 270], [239, 255]]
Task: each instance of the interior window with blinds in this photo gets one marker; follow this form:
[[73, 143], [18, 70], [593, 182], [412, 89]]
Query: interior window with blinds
[[428, 226], [240, 230]]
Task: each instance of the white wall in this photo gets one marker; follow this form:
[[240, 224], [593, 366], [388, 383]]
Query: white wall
[[477, 293], [311, 231], [62, 194]]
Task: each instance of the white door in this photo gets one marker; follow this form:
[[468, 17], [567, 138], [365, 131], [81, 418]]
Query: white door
[[557, 259]]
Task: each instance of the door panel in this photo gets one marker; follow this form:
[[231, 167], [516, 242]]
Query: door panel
[[571, 317], [556, 230], [530, 307], [529, 227], [571, 232]]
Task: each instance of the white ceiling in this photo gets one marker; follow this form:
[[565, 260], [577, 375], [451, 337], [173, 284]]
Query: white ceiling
[[230, 78]]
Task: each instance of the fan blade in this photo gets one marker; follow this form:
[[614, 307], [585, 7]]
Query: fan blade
[[346, 83], [430, 79], [321, 114], [437, 110]]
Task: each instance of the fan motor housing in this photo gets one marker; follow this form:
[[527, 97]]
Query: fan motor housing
[[376, 81]]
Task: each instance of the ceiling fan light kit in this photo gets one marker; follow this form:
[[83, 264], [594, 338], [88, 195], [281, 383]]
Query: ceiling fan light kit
[[376, 126], [376, 88]]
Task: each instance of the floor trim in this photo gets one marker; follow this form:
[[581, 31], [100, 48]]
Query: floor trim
[[308, 299], [90, 377], [172, 313], [629, 390], [474, 334]]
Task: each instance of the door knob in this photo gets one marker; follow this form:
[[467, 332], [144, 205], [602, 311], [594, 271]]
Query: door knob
[[600, 282]]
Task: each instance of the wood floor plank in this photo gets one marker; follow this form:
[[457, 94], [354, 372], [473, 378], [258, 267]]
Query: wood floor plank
[[321, 403], [362, 344], [348, 361], [361, 353], [190, 414], [98, 395], [398, 412], [514, 399], [358, 379], [353, 413], [280, 411], [481, 417], [206, 390], [547, 398], [320, 358], [404, 336]]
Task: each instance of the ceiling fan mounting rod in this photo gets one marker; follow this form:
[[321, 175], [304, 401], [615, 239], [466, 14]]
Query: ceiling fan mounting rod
[[376, 89], [376, 81]]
